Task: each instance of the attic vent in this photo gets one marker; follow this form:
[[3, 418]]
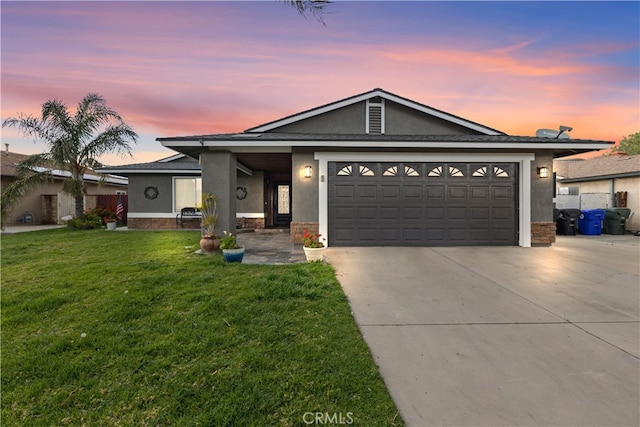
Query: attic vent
[[375, 116]]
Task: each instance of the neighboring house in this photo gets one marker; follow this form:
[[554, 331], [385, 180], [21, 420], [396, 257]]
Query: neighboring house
[[374, 169], [48, 203], [602, 182]]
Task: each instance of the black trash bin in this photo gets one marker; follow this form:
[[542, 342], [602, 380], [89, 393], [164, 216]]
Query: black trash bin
[[615, 220], [567, 222]]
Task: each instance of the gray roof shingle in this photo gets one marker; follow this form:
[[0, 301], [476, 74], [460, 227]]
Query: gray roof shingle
[[616, 164]]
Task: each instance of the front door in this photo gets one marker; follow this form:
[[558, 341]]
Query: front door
[[282, 204]]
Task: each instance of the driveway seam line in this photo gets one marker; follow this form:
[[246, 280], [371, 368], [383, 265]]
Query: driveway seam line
[[535, 304]]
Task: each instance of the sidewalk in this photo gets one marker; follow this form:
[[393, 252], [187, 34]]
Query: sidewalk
[[12, 229]]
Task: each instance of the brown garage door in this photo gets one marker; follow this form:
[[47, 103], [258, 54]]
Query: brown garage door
[[422, 204]]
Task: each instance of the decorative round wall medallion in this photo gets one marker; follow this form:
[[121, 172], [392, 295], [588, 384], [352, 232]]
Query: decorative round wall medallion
[[241, 193], [151, 193]]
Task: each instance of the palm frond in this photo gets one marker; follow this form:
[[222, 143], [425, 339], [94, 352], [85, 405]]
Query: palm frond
[[74, 141], [315, 7]]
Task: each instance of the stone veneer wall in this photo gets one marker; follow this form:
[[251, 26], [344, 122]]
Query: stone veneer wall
[[162, 223], [297, 230], [543, 233], [255, 223]]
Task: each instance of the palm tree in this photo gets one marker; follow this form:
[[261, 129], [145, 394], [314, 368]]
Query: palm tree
[[316, 7], [74, 142]]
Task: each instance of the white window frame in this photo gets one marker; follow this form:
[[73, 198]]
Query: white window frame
[[173, 191]]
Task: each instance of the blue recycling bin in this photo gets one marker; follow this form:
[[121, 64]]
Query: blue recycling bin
[[590, 222]]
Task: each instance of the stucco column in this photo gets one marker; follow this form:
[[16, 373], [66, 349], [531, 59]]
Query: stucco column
[[304, 195], [543, 228], [219, 176]]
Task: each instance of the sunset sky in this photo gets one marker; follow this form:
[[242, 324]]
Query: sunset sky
[[185, 68]]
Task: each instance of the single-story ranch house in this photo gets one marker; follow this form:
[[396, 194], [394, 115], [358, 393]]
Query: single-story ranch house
[[374, 169]]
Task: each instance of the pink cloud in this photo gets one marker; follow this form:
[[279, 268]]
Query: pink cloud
[[170, 71]]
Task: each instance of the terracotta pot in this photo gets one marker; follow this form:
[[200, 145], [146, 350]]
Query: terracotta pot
[[314, 254], [209, 245]]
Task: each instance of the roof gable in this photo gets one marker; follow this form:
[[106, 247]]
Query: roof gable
[[369, 97]]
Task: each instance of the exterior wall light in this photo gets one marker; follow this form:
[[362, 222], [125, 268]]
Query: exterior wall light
[[308, 171], [543, 172]]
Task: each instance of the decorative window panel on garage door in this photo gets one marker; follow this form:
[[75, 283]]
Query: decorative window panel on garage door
[[422, 204]]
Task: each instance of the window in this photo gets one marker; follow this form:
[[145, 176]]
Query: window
[[187, 192], [571, 191]]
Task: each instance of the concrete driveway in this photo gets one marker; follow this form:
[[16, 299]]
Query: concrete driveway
[[503, 336]]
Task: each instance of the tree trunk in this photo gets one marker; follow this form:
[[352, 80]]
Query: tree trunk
[[79, 206]]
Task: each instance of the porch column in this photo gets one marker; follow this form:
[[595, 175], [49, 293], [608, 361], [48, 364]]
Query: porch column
[[219, 176]]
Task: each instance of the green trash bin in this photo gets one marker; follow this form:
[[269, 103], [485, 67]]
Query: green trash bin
[[615, 220]]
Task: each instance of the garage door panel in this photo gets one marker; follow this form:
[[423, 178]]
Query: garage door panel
[[457, 192], [414, 235], [367, 192], [428, 204], [501, 234], [480, 213], [481, 193], [390, 192], [369, 234], [390, 235], [344, 213], [457, 213], [435, 192], [502, 213], [435, 213], [413, 213], [390, 213], [367, 213], [457, 234], [413, 192], [502, 193], [343, 235], [479, 235], [345, 191]]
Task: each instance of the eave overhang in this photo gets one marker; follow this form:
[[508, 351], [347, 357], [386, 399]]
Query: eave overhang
[[268, 142], [600, 178]]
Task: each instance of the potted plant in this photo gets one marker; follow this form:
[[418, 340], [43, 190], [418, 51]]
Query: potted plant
[[111, 223], [209, 241], [231, 250], [313, 246]]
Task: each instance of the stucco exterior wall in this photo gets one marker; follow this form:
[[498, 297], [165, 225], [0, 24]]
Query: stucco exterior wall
[[346, 120], [610, 186], [254, 201], [139, 203], [401, 120], [632, 187], [542, 189], [305, 190], [220, 177], [32, 202], [594, 187]]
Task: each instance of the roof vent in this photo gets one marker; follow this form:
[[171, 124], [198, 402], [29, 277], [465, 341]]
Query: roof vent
[[375, 116]]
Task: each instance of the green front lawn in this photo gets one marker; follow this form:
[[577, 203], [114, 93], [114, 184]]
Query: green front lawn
[[132, 328]]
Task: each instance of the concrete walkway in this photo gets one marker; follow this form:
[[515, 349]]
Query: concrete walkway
[[12, 229], [503, 336]]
